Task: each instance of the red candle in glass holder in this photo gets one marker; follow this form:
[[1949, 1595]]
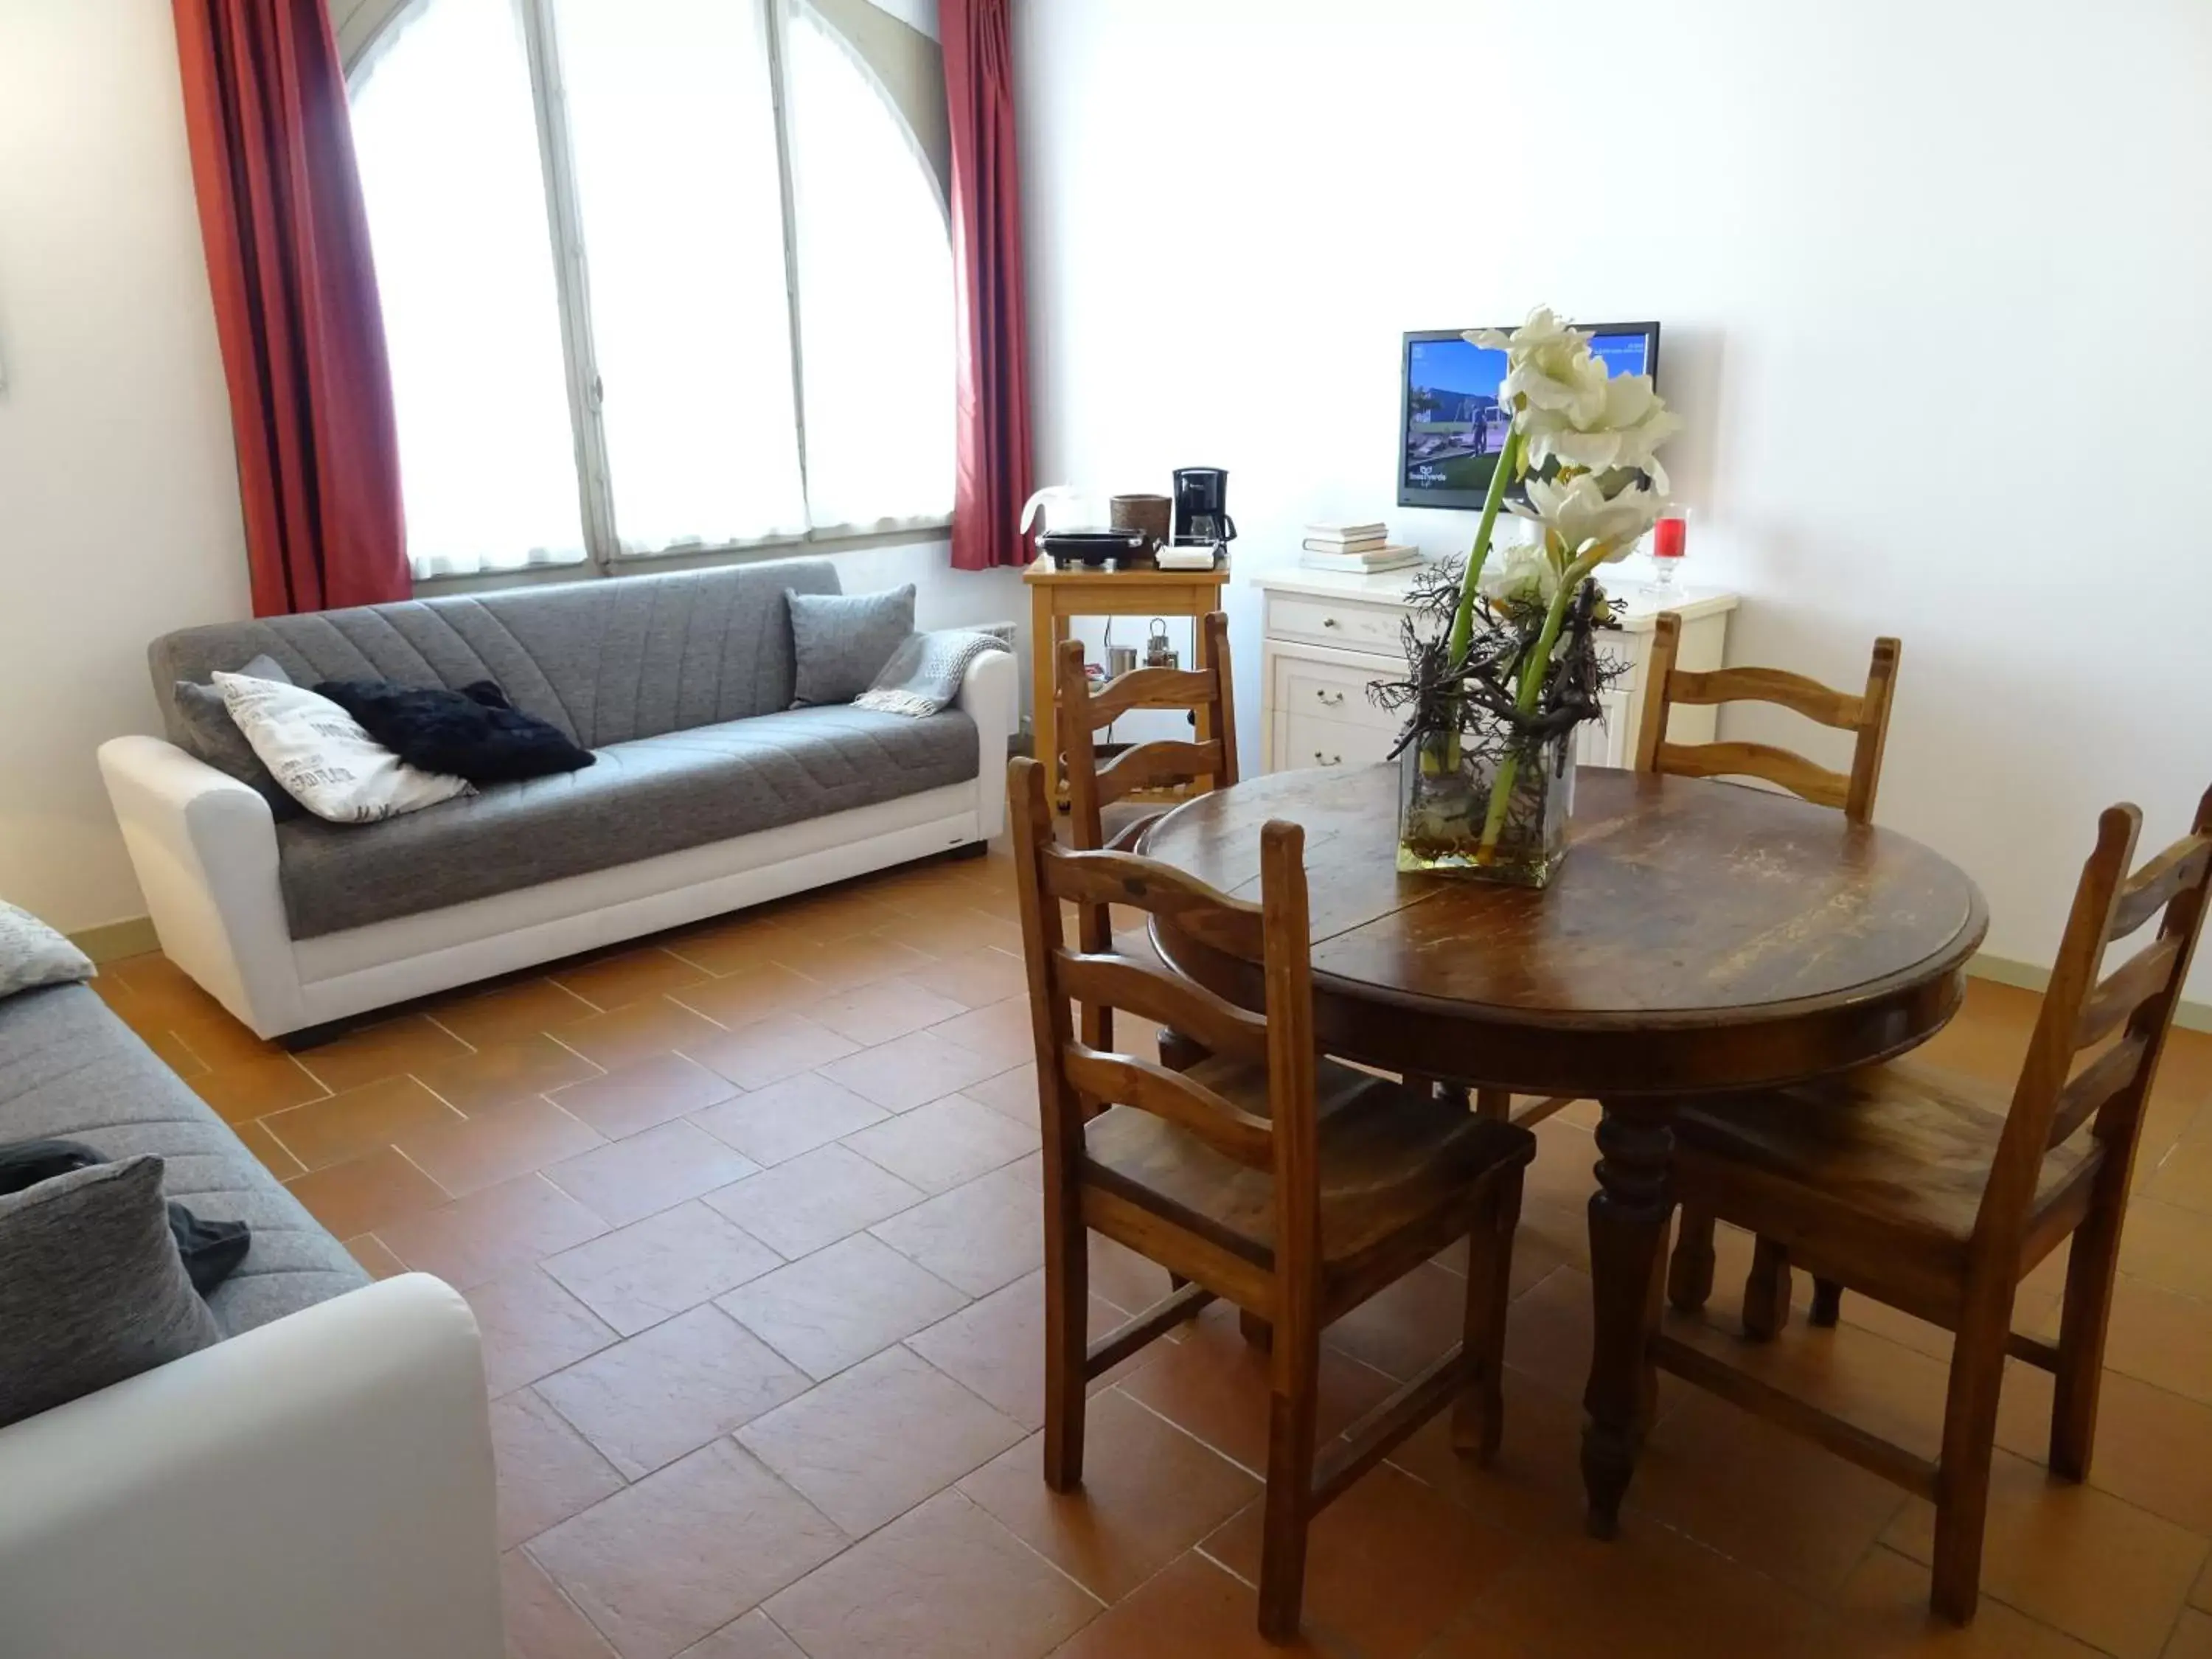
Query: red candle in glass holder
[[1669, 538]]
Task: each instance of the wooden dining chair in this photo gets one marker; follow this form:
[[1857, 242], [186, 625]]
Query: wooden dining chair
[[1865, 714], [1767, 1294], [1110, 805], [1158, 770], [1936, 1195], [1266, 1176]]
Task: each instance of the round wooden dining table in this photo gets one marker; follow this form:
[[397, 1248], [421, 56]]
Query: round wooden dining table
[[1699, 938]]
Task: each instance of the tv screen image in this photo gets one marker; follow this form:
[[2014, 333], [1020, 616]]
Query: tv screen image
[[1452, 427]]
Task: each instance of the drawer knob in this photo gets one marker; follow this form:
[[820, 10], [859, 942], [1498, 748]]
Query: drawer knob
[[1330, 699], [1329, 621], [1320, 759]]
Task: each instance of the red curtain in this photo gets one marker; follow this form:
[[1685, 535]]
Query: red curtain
[[986, 276], [295, 303]]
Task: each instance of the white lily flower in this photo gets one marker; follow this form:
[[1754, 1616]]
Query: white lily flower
[[1586, 521], [1621, 430], [1525, 574], [1543, 332], [1573, 389], [1548, 366]]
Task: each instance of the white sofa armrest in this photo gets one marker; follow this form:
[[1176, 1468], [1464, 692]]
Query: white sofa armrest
[[322, 1486], [990, 694], [204, 849]]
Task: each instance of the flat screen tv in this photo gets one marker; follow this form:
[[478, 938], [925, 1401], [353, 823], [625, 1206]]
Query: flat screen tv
[[1450, 427]]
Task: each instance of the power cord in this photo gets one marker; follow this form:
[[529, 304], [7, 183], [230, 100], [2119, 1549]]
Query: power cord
[[1105, 671]]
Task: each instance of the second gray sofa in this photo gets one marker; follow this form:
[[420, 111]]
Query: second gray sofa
[[320, 1481]]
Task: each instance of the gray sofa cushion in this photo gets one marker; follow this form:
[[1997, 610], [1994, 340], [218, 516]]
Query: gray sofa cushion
[[33, 954], [207, 732], [70, 1070], [658, 795], [841, 641], [607, 662], [91, 1287]]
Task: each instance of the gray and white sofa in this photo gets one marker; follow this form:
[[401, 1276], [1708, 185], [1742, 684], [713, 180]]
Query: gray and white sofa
[[709, 794], [318, 1482]]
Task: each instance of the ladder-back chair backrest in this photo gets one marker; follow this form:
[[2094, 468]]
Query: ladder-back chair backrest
[[1210, 760], [1075, 1081], [1866, 715], [2095, 1054]]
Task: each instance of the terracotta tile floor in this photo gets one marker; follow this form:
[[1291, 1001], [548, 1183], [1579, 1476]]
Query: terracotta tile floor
[[748, 1216]]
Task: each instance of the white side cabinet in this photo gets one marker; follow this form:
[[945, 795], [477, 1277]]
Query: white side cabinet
[[1326, 638]]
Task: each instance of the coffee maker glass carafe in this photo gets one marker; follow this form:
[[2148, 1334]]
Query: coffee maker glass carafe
[[1201, 506]]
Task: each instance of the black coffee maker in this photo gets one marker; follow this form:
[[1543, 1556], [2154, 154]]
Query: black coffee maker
[[1201, 507]]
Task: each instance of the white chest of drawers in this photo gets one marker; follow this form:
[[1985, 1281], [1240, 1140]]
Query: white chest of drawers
[[1327, 637]]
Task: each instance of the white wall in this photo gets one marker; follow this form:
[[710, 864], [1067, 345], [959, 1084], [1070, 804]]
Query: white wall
[[1911, 259], [944, 597], [118, 497]]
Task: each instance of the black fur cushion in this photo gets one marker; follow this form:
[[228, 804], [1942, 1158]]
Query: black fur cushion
[[473, 733]]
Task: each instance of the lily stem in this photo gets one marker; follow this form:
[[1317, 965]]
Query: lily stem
[[1534, 669], [1462, 628], [1508, 464]]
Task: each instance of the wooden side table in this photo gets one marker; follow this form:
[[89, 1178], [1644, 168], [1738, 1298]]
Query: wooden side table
[[1056, 595]]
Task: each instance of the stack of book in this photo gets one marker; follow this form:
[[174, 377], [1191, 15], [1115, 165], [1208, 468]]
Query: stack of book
[[1360, 549]]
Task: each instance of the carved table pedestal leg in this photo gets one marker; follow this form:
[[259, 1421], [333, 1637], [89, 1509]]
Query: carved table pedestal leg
[[1628, 1217]]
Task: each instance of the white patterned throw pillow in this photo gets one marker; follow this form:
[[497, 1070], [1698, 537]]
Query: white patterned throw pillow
[[33, 954], [323, 758]]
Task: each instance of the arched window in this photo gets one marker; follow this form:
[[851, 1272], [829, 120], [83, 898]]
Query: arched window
[[658, 276]]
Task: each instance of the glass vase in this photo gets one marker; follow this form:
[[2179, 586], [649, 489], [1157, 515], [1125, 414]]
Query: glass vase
[[1448, 783]]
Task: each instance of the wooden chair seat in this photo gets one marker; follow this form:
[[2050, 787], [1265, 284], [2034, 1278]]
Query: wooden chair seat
[[1903, 1148], [1391, 1162], [1125, 822]]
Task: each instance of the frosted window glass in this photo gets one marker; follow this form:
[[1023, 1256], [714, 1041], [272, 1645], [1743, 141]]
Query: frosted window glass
[[673, 126], [875, 287], [447, 143]]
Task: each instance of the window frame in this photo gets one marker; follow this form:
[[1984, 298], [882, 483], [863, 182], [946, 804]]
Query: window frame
[[361, 25]]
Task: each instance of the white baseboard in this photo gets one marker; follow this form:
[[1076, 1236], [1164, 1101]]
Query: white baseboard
[[110, 941]]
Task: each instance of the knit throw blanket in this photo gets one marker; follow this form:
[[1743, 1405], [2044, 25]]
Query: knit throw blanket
[[924, 674]]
